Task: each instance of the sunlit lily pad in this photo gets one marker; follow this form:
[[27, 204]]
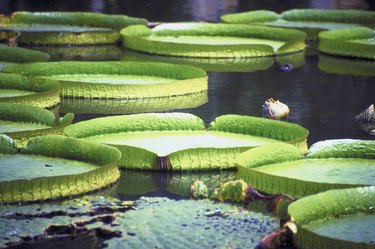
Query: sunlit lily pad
[[54, 167], [21, 55], [336, 219], [125, 80], [62, 28], [178, 141], [331, 164], [311, 21], [26, 90], [22, 122], [212, 40], [126, 106], [350, 66], [352, 42]]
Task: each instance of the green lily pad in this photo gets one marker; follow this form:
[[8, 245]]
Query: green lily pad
[[126, 106], [329, 165], [212, 40], [311, 21], [21, 55], [336, 219], [26, 90], [179, 141], [22, 122], [336, 65], [55, 167], [351, 42], [62, 28], [125, 80]]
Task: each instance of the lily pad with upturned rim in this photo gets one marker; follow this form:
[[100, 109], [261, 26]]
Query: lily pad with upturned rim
[[56, 167], [180, 141], [352, 42], [21, 55], [21, 122], [27, 90], [65, 28], [213, 40], [329, 165], [126, 80], [342, 218]]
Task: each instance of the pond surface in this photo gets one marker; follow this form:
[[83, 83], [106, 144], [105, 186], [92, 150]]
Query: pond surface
[[321, 100]]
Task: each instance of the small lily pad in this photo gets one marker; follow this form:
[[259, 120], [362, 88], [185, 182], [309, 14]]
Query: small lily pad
[[213, 40], [120, 80]]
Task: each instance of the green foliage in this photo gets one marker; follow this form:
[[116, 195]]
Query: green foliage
[[250, 17], [21, 55], [135, 122], [199, 189], [7, 145], [269, 154], [26, 113], [234, 191], [348, 34], [343, 148], [283, 131]]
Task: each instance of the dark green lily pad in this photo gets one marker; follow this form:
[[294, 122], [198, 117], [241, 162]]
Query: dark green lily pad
[[180, 141], [351, 42], [22, 122], [63, 28], [124, 80], [336, 65], [126, 106], [21, 55], [212, 40], [311, 21], [26, 90], [329, 165], [336, 219], [55, 167]]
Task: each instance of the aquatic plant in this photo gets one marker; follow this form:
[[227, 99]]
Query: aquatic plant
[[126, 80], [212, 40], [21, 55]]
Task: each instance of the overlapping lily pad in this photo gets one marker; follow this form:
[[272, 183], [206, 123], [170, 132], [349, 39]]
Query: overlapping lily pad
[[26, 90], [213, 40], [55, 167], [125, 80], [311, 21], [342, 218], [21, 55], [351, 42], [331, 164], [22, 122], [127, 106], [65, 28], [180, 141]]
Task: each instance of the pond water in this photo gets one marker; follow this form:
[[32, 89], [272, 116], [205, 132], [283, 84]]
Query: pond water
[[321, 100]]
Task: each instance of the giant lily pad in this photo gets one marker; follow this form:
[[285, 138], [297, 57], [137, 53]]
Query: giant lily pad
[[342, 218], [21, 55], [126, 80], [126, 106], [62, 28], [178, 141], [331, 164], [351, 42], [56, 166], [21, 121], [311, 21], [26, 90], [213, 40]]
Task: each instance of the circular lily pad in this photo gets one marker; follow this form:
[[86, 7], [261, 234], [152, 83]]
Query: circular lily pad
[[178, 141], [342, 218], [351, 42], [63, 28], [126, 106], [126, 80], [26, 90], [311, 21], [213, 40], [21, 55], [54, 167], [21, 122], [329, 165]]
